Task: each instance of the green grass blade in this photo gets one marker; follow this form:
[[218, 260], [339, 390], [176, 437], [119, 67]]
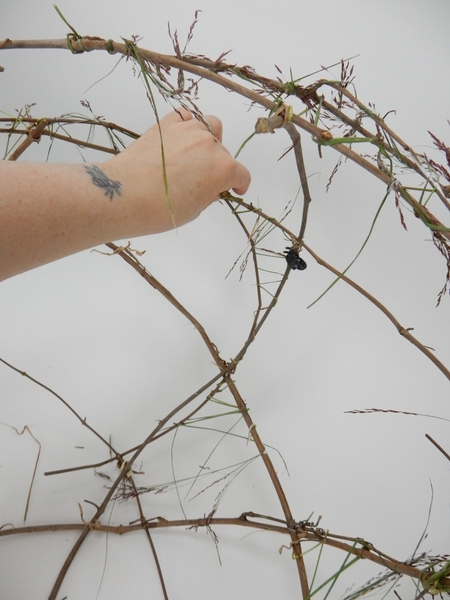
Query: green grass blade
[[377, 214]]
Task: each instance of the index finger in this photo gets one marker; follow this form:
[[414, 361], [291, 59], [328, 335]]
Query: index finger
[[211, 122], [215, 125]]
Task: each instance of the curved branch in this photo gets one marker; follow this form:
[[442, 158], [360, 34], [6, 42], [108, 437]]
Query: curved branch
[[209, 71]]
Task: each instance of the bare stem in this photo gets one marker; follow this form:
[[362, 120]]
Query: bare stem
[[354, 546], [82, 421], [297, 145], [150, 540], [404, 332]]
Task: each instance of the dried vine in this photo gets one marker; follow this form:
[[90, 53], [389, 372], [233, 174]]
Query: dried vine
[[323, 117]]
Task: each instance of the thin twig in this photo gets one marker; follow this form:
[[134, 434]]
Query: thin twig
[[404, 332], [150, 540], [34, 135], [57, 136], [306, 533], [125, 468], [447, 456], [297, 145], [255, 265], [82, 421], [128, 257]]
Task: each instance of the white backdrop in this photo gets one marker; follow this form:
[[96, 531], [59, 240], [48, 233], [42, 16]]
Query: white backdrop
[[93, 331]]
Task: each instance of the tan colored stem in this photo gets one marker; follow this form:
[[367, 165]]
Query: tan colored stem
[[88, 44], [365, 551], [404, 332]]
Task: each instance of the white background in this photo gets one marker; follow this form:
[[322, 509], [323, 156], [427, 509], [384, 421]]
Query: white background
[[93, 331]]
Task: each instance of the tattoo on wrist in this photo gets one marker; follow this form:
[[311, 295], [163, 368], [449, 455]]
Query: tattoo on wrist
[[99, 179]]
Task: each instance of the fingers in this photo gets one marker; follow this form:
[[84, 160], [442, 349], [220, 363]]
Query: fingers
[[215, 125], [238, 176], [241, 179], [176, 115], [211, 123]]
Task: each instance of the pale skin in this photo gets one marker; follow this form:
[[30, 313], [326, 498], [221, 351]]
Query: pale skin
[[49, 211]]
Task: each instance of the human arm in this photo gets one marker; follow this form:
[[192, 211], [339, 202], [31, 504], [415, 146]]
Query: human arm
[[48, 211]]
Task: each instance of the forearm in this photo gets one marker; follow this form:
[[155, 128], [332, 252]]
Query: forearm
[[50, 211]]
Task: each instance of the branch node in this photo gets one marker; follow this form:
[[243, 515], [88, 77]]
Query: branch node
[[252, 426]]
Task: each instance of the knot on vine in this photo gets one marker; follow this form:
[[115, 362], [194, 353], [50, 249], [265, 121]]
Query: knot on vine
[[282, 115]]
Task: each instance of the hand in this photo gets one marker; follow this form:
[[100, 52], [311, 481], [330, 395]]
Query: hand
[[48, 211], [198, 169]]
